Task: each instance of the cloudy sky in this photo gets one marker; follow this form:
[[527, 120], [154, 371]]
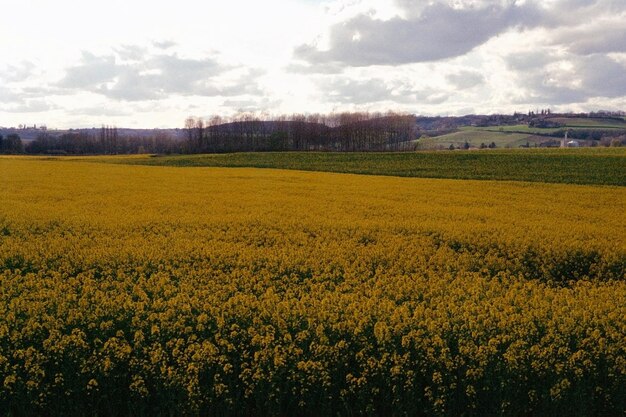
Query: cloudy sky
[[152, 63]]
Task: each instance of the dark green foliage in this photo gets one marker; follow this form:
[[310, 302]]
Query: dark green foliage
[[12, 144], [573, 166]]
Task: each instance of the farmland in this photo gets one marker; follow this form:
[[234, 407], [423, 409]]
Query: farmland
[[579, 122], [574, 166], [518, 135], [143, 290], [476, 137]]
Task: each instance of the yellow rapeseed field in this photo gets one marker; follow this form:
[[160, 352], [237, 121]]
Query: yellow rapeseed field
[[133, 290]]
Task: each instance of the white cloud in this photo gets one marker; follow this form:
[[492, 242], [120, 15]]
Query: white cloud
[[157, 62], [28, 106]]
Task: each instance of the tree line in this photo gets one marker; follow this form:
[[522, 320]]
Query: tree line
[[11, 144], [254, 132], [104, 141], [346, 132], [244, 132]]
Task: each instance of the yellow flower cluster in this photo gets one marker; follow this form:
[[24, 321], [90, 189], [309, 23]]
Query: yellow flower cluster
[[128, 290]]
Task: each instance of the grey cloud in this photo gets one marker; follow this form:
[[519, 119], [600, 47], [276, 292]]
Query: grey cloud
[[463, 80], [602, 37], [164, 44], [15, 100], [151, 77], [8, 95], [576, 15], [29, 106], [431, 96], [404, 93], [163, 75], [576, 7], [350, 91], [93, 70], [602, 76], [596, 76], [526, 61], [186, 76], [17, 73], [440, 31], [23, 99], [131, 52], [550, 95], [412, 8], [131, 86]]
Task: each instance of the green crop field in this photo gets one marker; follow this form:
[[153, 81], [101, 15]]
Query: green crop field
[[590, 123], [476, 137], [575, 166], [568, 123], [513, 129]]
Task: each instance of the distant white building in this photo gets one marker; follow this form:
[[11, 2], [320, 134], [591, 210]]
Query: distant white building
[[569, 144], [564, 141]]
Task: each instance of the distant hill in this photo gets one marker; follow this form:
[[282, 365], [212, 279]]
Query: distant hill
[[31, 133], [590, 122], [354, 130]]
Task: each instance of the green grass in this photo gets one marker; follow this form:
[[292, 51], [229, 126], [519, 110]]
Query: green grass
[[476, 137], [590, 123], [513, 129], [568, 123], [602, 166]]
